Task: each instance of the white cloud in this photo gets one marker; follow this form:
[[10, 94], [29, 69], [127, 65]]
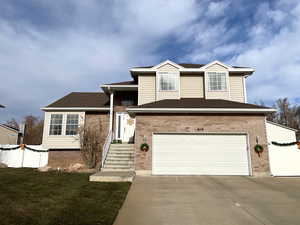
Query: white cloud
[[216, 9], [50, 49], [268, 40], [276, 59], [78, 45]]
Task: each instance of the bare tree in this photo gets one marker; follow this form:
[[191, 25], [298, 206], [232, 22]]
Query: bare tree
[[287, 114], [91, 143], [270, 116], [33, 130], [12, 123]]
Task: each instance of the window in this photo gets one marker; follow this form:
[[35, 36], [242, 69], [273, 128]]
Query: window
[[127, 100], [72, 124], [167, 81], [56, 124], [216, 81]]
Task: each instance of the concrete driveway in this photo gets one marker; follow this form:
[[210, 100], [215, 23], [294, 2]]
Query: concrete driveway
[[207, 200]]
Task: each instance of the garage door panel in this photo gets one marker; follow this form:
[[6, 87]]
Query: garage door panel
[[194, 154]]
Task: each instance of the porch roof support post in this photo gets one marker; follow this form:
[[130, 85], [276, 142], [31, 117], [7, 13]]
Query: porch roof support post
[[111, 110]]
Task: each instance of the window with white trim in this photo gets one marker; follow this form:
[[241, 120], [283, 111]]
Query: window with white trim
[[56, 124], [167, 81], [72, 124], [217, 81]]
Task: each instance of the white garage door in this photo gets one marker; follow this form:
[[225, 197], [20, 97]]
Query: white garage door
[[200, 154]]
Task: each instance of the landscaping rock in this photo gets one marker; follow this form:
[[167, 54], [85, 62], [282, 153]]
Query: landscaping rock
[[76, 167], [44, 169], [3, 165]]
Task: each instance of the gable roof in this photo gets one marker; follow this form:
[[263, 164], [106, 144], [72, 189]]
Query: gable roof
[[82, 100], [9, 127], [188, 66], [130, 82], [283, 126]]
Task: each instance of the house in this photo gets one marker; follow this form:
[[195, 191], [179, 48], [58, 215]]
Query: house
[[9, 135], [194, 119], [2, 106]]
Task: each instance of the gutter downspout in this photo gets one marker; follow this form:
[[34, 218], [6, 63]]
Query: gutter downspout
[[111, 110], [244, 87]]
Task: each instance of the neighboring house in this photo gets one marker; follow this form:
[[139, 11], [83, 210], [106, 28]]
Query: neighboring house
[[9, 135], [194, 117]]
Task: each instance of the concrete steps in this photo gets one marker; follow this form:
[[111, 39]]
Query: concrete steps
[[120, 157], [120, 169]]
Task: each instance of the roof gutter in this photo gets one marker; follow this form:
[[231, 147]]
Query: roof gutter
[[119, 86], [199, 110], [108, 88], [75, 109], [249, 70]]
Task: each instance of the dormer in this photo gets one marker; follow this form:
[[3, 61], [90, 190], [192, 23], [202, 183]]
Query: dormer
[[169, 80]]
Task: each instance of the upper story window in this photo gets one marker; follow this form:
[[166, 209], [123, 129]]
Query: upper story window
[[167, 81], [56, 124], [72, 124], [127, 100], [217, 81]]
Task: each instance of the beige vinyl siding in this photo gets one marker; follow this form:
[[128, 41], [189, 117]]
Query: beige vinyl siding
[[146, 89], [61, 141], [160, 95], [216, 68], [217, 94], [167, 67], [236, 88], [167, 95], [191, 86], [8, 136]]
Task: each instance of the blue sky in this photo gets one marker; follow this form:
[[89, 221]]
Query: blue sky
[[51, 48]]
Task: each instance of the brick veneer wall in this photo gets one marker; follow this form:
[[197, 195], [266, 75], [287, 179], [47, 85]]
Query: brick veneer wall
[[254, 125], [64, 158], [98, 121]]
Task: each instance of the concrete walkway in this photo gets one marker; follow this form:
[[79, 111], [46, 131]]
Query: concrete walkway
[[211, 201]]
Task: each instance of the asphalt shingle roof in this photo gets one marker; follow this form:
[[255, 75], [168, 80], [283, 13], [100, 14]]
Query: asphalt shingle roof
[[82, 99], [199, 103], [131, 82], [188, 65]]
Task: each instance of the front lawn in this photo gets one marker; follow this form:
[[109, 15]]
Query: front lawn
[[31, 197]]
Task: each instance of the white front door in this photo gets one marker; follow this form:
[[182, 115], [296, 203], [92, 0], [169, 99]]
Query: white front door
[[125, 127], [200, 154]]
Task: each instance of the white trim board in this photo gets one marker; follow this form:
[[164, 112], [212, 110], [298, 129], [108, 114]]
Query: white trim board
[[167, 62], [201, 69], [119, 86], [8, 128], [75, 109], [280, 125]]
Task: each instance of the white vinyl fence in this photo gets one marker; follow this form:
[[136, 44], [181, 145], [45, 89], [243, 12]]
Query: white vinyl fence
[[284, 160], [33, 156]]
